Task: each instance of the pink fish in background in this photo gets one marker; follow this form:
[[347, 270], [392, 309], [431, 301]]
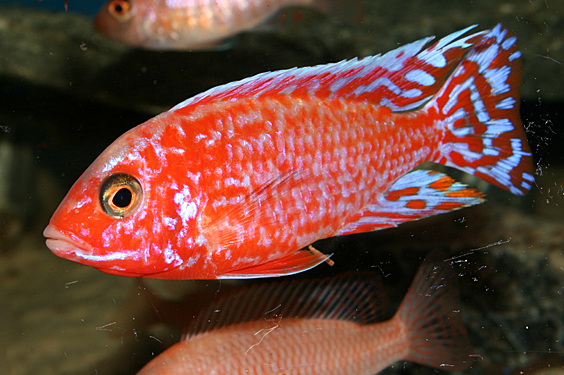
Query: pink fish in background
[[234, 182], [326, 327], [198, 24]]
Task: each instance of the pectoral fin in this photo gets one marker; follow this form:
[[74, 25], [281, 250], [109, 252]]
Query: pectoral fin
[[265, 206]]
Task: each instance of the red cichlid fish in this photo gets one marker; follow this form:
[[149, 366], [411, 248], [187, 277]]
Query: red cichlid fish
[[197, 24], [322, 328], [233, 182]]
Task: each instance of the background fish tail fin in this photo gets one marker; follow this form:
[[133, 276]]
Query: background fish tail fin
[[436, 335], [480, 105]]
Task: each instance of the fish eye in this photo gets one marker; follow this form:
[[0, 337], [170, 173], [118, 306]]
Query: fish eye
[[120, 9], [120, 195]]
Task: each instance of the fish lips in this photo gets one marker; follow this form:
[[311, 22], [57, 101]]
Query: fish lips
[[72, 248], [63, 245]]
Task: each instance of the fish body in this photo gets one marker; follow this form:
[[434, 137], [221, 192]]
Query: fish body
[[322, 328], [190, 24], [233, 182]]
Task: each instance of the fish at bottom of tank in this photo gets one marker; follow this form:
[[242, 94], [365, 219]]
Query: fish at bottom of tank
[[329, 326]]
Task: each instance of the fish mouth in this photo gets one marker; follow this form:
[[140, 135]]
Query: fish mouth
[[64, 245], [70, 247]]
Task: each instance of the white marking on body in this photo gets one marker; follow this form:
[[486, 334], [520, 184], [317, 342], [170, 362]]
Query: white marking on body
[[191, 261], [119, 228], [171, 257], [147, 254], [82, 202], [230, 181], [169, 222], [187, 208], [114, 255], [246, 181], [220, 202], [111, 163]]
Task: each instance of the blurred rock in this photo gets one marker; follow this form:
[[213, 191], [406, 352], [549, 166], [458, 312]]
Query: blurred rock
[[17, 191], [62, 51]]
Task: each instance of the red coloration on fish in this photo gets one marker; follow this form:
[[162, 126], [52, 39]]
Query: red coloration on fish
[[197, 24], [323, 327], [233, 182]]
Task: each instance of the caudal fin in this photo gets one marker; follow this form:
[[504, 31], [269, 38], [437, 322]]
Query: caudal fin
[[436, 335], [480, 107]]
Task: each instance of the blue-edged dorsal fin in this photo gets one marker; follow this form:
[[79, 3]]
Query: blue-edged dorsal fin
[[402, 79], [355, 297]]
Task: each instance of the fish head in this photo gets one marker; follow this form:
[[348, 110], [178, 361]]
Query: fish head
[[120, 20], [128, 216]]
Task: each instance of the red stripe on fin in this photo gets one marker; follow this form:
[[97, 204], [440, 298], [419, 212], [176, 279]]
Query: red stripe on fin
[[355, 297], [480, 108], [431, 313], [300, 261], [416, 195], [403, 79]]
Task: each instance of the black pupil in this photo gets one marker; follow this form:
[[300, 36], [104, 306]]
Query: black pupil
[[122, 198], [118, 8]]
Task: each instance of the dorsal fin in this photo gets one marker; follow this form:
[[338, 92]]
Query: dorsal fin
[[402, 79], [353, 296]]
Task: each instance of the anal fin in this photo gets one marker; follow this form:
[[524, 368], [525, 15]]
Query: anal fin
[[416, 195], [300, 261]]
